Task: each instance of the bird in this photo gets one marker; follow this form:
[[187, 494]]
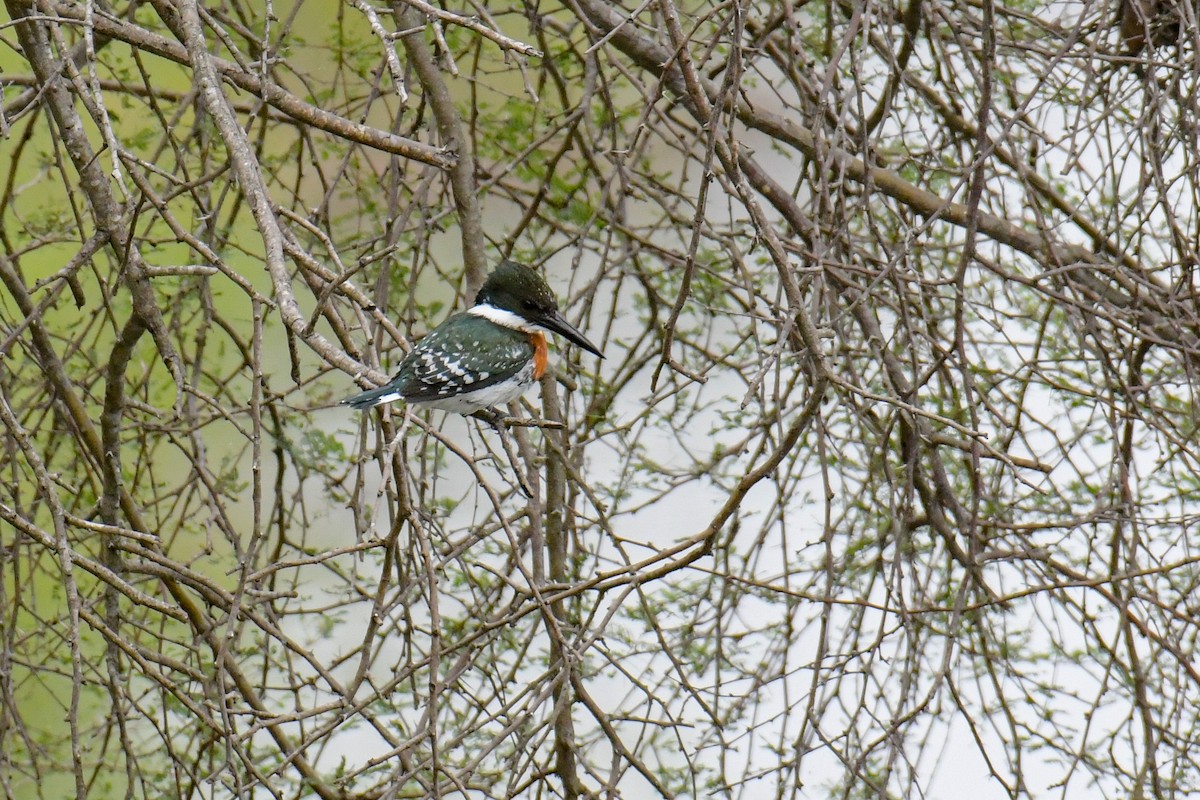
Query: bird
[[483, 357], [1156, 19]]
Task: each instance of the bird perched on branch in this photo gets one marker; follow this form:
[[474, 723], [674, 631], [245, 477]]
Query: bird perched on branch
[[486, 356], [1156, 20]]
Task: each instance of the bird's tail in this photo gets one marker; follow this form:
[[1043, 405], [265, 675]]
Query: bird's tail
[[372, 398]]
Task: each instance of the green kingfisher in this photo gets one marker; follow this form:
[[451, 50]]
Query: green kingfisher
[[486, 356]]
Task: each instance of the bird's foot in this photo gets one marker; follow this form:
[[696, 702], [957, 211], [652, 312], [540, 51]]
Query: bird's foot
[[498, 420], [493, 417]]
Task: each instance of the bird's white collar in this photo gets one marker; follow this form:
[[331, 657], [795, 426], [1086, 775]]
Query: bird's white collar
[[503, 317]]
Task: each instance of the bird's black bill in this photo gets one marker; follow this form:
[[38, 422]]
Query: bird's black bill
[[554, 322]]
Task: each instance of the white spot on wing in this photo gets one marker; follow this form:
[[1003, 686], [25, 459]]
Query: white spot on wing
[[486, 397]]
